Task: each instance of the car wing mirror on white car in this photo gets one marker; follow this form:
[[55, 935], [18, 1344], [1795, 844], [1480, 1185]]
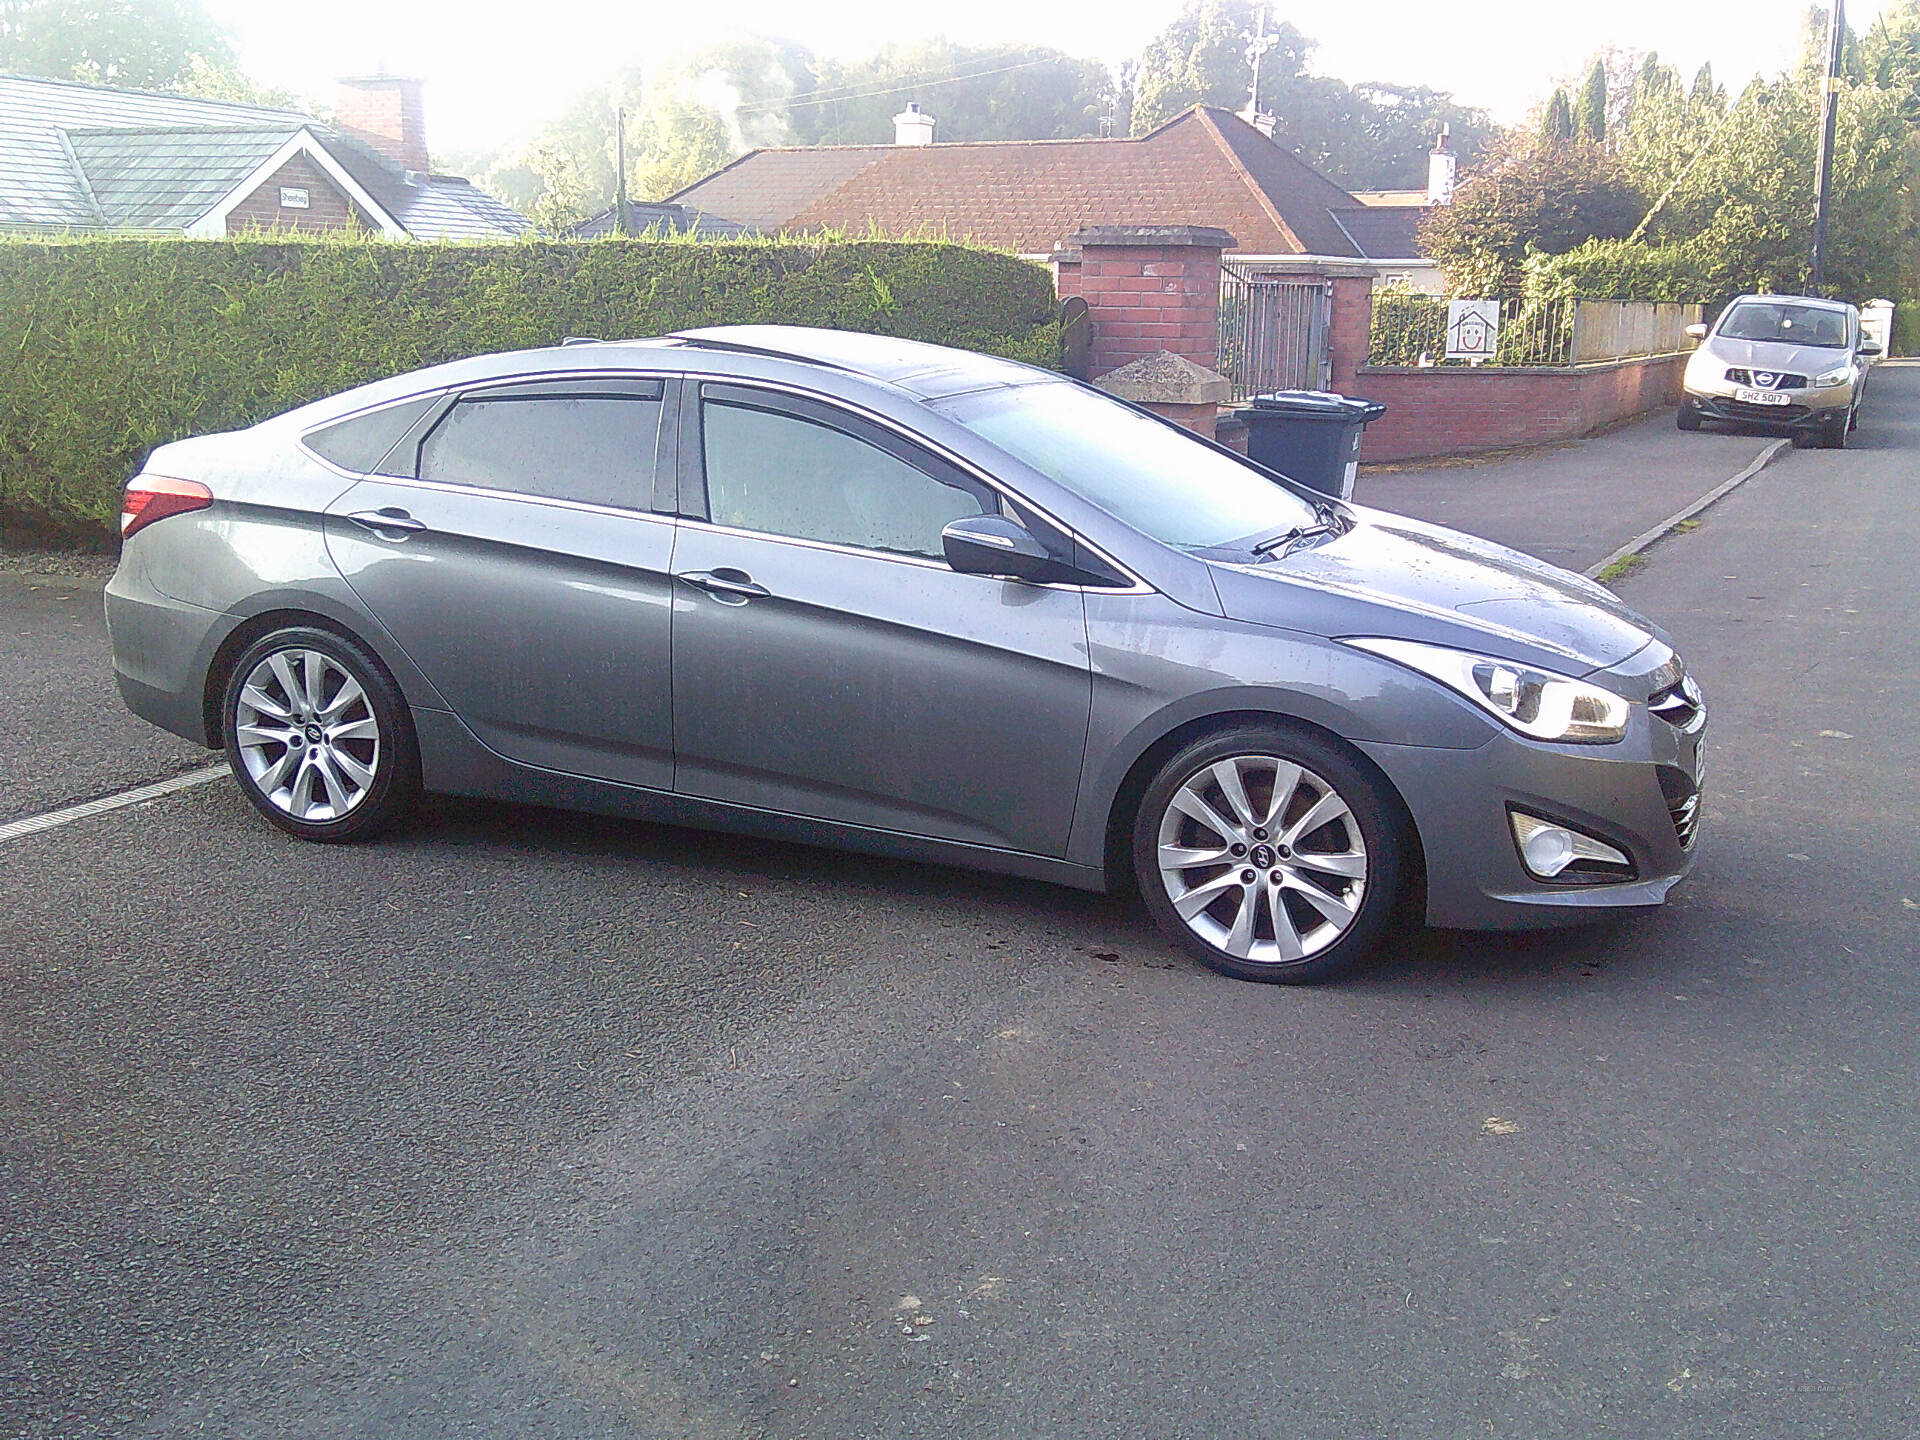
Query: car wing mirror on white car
[[1870, 347], [1696, 331]]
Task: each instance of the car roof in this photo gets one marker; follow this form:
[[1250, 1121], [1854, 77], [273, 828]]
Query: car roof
[[917, 370], [913, 365]]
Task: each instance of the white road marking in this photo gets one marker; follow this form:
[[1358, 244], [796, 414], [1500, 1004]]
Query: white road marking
[[53, 819]]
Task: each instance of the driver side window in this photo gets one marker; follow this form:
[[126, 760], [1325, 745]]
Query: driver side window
[[780, 473]]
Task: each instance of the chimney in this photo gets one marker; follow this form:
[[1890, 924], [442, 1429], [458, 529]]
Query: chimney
[[911, 127], [1263, 122], [1441, 163], [387, 113]]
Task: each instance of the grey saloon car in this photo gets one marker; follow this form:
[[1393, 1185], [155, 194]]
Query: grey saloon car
[[862, 592]]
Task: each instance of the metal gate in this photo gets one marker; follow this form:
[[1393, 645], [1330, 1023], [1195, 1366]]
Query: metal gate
[[1273, 331]]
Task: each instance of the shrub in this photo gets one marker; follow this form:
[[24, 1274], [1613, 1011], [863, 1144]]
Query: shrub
[[1406, 326], [111, 347]]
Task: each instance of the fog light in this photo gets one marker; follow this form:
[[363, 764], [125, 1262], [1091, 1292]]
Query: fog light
[[1548, 849]]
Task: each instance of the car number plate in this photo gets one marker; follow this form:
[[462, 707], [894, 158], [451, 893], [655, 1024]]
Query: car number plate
[[1762, 397]]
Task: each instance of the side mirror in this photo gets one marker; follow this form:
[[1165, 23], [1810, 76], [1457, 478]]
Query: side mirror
[[1696, 331], [1870, 347], [994, 545]]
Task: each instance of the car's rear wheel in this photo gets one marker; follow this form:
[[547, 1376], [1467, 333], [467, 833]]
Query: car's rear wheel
[[319, 736], [1686, 417], [1269, 854]]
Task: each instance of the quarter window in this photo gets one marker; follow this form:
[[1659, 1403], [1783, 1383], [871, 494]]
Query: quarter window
[[595, 449], [780, 474]]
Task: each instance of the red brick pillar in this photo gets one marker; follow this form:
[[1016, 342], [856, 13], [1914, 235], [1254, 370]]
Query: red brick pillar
[[1350, 331], [1148, 288]]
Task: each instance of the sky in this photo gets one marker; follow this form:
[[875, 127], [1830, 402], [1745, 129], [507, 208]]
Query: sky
[[495, 71]]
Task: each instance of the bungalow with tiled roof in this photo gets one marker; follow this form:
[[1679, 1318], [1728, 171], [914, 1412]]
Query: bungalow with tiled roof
[[86, 159], [1206, 166]]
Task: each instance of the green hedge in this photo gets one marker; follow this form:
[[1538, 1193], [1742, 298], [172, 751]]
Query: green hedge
[[111, 347]]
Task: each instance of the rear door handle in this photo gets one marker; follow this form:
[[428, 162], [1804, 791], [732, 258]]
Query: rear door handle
[[389, 524], [732, 587]]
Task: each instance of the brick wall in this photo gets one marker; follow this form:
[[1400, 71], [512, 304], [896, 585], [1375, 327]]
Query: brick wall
[[1148, 289], [1457, 410], [328, 208]]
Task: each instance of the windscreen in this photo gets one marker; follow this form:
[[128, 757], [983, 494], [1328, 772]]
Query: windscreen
[[1134, 467], [1786, 324]]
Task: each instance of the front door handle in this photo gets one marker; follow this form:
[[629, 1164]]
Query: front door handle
[[388, 524], [730, 586]]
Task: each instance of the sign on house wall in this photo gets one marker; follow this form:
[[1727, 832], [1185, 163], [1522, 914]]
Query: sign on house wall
[[1473, 329]]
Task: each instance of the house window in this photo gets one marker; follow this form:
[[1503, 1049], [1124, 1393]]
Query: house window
[[295, 198]]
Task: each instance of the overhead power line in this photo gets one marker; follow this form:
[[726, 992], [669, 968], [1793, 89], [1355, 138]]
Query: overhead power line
[[814, 99]]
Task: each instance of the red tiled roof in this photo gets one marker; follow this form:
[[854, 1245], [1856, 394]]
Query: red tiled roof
[[1204, 167]]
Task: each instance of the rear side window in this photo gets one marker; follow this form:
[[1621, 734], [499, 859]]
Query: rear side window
[[594, 449], [780, 474], [361, 443]]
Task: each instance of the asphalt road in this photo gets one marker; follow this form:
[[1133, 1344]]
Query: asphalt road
[[520, 1124], [1569, 504]]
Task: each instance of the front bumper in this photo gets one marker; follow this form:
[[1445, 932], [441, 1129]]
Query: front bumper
[[1806, 409], [1640, 795]]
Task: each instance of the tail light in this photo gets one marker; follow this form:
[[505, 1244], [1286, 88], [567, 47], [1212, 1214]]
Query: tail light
[[154, 497]]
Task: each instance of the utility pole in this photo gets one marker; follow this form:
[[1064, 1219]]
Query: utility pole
[[1256, 52], [619, 170], [1829, 112]]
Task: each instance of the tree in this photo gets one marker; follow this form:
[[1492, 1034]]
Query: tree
[[1590, 110], [1556, 121], [1021, 92], [1373, 135], [136, 44], [1531, 195]]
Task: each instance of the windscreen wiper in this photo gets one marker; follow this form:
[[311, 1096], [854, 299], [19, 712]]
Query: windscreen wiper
[[1326, 522]]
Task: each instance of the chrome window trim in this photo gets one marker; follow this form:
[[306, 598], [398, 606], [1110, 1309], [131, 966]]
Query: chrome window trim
[[460, 389], [1137, 586], [445, 487], [925, 562]]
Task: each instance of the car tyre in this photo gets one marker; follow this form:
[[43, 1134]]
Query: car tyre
[[1269, 854], [319, 736], [1686, 417], [1833, 435]]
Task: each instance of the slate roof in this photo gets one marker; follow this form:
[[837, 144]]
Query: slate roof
[[166, 179], [1385, 232], [88, 158], [643, 216], [1206, 166]]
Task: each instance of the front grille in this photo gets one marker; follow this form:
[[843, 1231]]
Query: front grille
[[1780, 381], [1683, 803], [1741, 410]]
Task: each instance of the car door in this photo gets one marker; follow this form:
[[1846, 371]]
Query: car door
[[519, 559], [827, 662]]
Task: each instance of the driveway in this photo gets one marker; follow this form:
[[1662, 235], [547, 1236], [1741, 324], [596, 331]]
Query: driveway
[[538, 1125]]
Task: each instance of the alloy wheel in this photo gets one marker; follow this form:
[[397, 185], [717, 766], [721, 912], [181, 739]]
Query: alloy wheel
[[1262, 859], [307, 735]]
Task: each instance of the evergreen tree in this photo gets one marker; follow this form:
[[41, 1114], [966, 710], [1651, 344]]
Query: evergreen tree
[[1590, 111], [1556, 121]]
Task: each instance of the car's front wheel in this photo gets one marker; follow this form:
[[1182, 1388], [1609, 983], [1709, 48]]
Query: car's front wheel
[[1269, 854], [319, 736], [1686, 417], [1833, 435]]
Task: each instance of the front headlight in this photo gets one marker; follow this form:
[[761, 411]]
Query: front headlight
[[1534, 702], [1833, 378]]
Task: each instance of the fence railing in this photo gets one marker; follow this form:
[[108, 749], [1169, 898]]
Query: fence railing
[[1273, 331], [1410, 329]]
